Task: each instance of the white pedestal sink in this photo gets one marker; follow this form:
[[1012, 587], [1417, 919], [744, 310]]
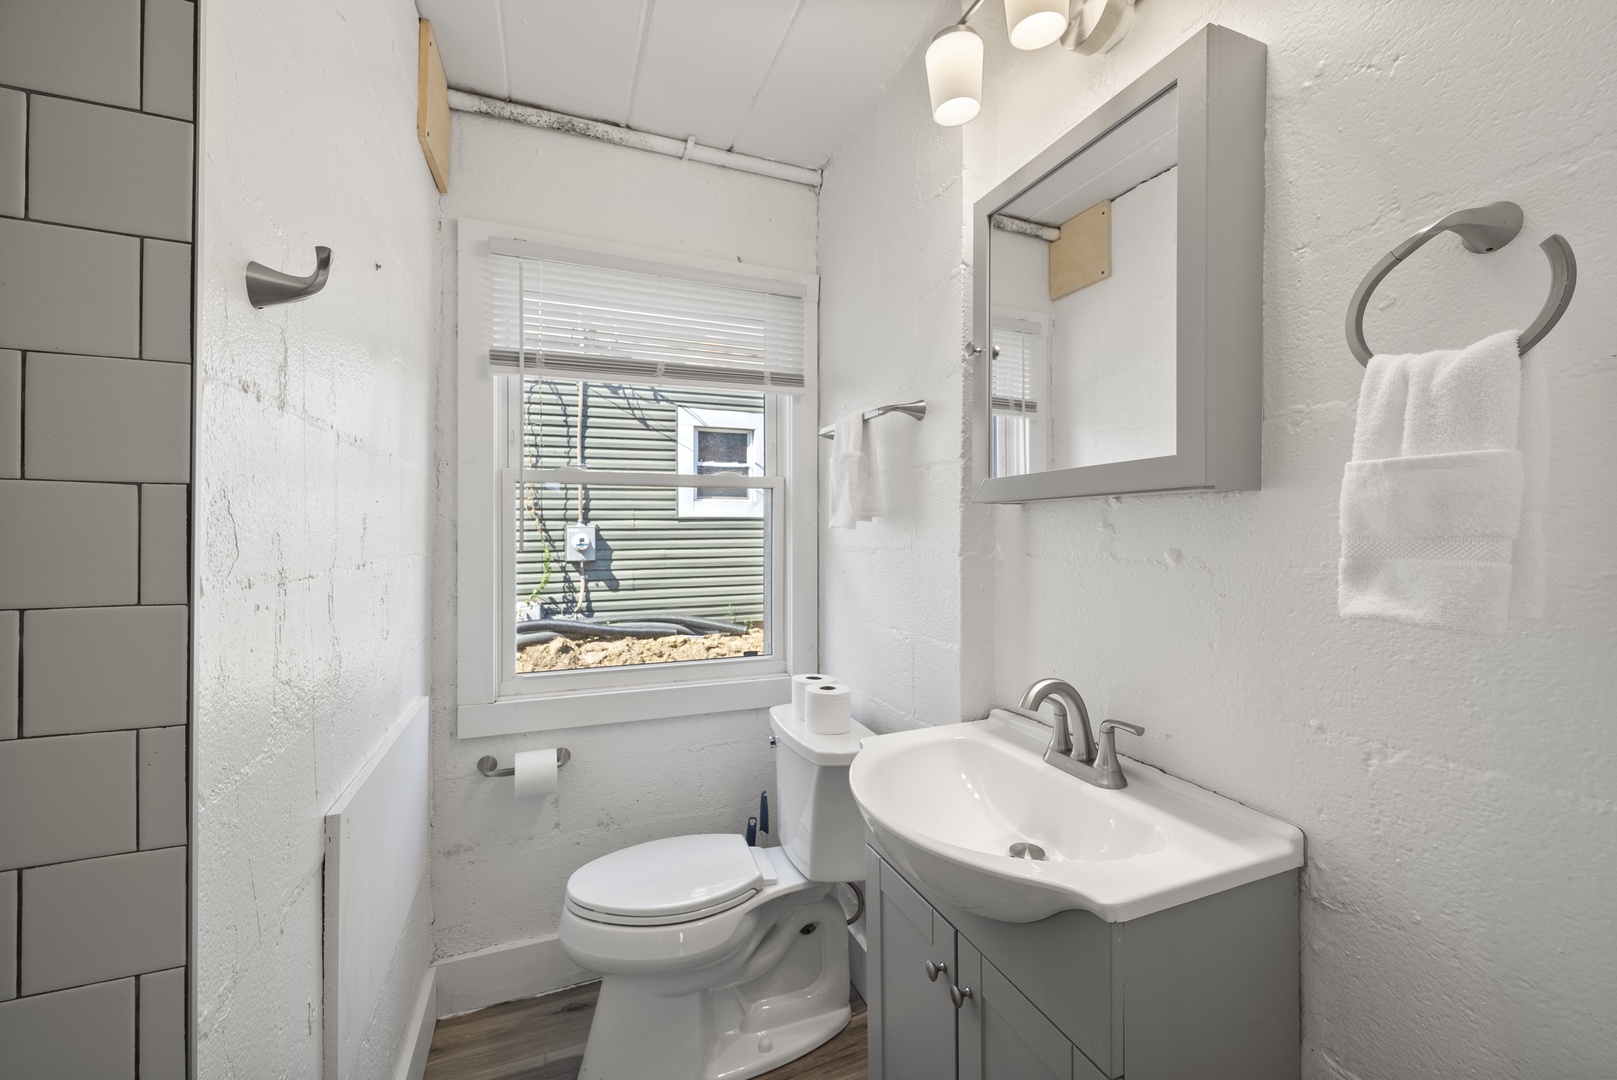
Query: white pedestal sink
[[948, 802]]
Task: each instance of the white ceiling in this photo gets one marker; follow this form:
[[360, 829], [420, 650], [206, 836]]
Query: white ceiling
[[780, 79]]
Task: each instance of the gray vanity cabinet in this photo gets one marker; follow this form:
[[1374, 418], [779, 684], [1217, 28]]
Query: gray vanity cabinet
[[916, 1032], [1003, 1036], [1207, 989]]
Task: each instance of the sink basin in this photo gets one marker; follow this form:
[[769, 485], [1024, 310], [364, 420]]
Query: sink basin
[[947, 803]]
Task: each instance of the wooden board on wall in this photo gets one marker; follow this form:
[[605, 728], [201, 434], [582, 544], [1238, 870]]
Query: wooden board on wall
[[432, 108], [1083, 254]]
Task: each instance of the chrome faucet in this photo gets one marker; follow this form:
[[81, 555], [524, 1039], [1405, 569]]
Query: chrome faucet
[[1093, 765]]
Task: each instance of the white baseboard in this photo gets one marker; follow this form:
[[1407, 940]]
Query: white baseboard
[[413, 1055], [519, 969]]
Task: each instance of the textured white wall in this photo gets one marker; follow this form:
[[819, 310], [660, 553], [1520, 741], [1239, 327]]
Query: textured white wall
[[500, 866], [313, 444], [1459, 795], [894, 302]]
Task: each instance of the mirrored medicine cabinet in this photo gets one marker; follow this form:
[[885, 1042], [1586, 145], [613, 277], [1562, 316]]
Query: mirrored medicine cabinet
[[1117, 323]]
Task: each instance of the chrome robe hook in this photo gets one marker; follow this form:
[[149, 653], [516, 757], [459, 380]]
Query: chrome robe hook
[[266, 287]]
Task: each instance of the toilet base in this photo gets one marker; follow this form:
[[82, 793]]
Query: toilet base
[[786, 999]]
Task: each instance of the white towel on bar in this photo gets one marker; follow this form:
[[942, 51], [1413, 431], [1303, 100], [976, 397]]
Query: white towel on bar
[[1442, 509], [855, 486]]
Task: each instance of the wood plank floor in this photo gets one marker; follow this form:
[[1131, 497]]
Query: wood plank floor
[[543, 1038]]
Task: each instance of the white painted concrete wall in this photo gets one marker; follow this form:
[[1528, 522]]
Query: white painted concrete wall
[[313, 443], [894, 309], [500, 866], [1459, 795]]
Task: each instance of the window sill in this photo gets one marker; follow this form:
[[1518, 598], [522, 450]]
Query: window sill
[[554, 712]]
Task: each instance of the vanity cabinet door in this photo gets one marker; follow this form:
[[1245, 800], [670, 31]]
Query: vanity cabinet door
[[1002, 1035], [912, 1029]]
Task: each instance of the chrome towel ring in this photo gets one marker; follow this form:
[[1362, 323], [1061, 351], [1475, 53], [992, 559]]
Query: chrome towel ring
[[1481, 229]]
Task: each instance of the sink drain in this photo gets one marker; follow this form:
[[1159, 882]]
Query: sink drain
[[1027, 851]]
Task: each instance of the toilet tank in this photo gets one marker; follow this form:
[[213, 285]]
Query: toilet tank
[[816, 818]]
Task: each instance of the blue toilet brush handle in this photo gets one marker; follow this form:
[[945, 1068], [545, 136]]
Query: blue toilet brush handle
[[752, 832], [763, 811]]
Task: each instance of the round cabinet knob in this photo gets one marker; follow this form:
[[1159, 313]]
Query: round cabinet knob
[[959, 994], [934, 970]]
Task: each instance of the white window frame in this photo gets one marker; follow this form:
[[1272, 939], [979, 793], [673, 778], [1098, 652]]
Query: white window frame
[[692, 420], [490, 699]]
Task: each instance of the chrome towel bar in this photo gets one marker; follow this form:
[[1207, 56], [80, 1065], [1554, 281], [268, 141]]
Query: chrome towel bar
[[1481, 229], [914, 409]]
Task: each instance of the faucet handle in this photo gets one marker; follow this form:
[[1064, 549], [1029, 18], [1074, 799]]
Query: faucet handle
[[1108, 726]]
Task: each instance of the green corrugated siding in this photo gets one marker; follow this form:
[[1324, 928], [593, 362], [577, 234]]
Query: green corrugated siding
[[655, 562]]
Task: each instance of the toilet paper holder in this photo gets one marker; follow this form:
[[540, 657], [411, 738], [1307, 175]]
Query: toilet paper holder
[[489, 765]]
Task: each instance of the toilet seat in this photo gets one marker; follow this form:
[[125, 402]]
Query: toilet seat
[[665, 882]]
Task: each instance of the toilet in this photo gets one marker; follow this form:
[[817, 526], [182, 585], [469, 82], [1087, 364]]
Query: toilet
[[721, 961]]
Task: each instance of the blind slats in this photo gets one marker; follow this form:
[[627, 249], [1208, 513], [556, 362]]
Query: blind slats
[[1013, 370], [593, 322]]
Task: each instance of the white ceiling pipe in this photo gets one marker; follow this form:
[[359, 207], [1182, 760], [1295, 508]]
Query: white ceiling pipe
[[690, 149]]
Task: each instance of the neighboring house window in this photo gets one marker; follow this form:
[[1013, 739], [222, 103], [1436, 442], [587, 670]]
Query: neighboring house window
[[637, 473], [720, 442]]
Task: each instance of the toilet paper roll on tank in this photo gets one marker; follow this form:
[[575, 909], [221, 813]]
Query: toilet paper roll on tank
[[801, 684], [828, 709]]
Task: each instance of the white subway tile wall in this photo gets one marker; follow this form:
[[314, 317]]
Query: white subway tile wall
[[99, 919], [99, 418], [162, 787], [69, 798], [69, 290], [163, 525], [165, 298], [8, 935], [10, 414], [167, 69], [10, 640], [103, 669], [97, 177], [13, 150], [72, 1034], [109, 169], [68, 544], [162, 1025]]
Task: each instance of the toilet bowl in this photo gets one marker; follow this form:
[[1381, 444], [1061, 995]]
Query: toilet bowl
[[721, 961]]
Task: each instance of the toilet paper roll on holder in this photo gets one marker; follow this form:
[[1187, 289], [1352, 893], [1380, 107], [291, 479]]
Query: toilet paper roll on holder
[[489, 765]]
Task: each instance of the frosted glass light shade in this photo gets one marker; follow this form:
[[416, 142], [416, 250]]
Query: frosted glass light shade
[[954, 75], [1033, 24]]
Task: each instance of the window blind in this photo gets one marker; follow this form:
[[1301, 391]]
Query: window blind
[[604, 324], [1013, 369]]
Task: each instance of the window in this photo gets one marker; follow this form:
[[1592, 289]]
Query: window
[[1018, 376], [634, 538], [720, 442]]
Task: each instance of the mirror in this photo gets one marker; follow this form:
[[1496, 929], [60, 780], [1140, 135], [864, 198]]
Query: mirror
[[1118, 296]]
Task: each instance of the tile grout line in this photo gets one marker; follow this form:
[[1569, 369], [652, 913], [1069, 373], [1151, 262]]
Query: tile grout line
[[137, 110], [96, 229], [16, 976]]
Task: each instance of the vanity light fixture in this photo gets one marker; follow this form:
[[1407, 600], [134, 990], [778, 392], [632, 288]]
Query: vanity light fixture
[[954, 73], [954, 59]]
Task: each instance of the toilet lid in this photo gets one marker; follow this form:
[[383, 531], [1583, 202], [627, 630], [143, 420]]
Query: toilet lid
[[667, 877]]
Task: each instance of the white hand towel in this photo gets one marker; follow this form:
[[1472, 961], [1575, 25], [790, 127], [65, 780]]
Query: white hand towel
[[1447, 475], [855, 489]]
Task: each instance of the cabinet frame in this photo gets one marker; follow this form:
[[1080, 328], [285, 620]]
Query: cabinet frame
[[1210, 988]]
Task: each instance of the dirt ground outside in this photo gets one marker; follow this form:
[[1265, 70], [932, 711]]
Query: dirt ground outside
[[565, 654]]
